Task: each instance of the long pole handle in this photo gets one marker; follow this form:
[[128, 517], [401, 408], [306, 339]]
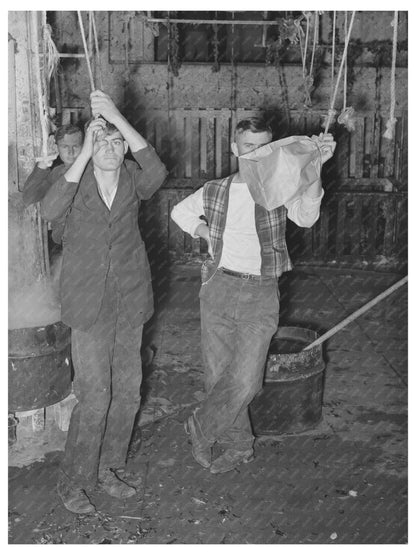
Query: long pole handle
[[357, 313]]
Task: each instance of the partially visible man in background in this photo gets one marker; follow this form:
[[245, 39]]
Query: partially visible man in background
[[68, 142]]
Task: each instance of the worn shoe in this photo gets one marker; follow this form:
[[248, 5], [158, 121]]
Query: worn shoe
[[201, 450], [113, 485], [74, 498], [230, 459]]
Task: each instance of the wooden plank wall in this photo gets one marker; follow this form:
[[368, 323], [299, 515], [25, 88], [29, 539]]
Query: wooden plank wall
[[364, 212], [363, 229], [195, 143]]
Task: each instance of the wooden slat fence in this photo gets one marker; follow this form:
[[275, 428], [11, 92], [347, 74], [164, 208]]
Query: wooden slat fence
[[356, 228], [195, 143], [364, 213]]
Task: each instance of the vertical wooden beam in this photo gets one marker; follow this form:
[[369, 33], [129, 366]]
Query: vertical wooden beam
[[210, 144], [203, 142], [12, 117], [375, 150], [359, 146], [356, 226], [187, 153], [225, 142], [196, 145], [389, 207], [28, 265], [340, 227], [218, 145], [370, 224]]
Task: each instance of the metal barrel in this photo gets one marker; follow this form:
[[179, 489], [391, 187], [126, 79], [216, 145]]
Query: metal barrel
[[292, 394], [40, 371]]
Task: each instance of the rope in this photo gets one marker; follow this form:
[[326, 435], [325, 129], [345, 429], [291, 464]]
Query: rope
[[306, 78], [304, 52], [391, 123], [97, 50], [347, 116], [334, 94], [345, 68], [315, 39], [90, 38], [333, 52], [84, 42], [357, 313], [40, 95]]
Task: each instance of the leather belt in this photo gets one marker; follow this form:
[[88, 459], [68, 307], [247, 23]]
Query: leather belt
[[239, 274]]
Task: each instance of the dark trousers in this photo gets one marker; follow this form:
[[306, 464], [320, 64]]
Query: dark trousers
[[107, 380], [238, 320]]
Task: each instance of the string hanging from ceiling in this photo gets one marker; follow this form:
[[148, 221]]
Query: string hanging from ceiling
[[391, 123], [331, 114]]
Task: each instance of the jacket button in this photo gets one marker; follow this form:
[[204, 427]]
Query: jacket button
[[109, 247]]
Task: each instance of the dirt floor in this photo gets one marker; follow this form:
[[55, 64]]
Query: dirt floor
[[343, 482]]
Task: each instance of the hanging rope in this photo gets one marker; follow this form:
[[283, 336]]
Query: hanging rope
[[44, 122], [347, 116], [315, 40], [40, 92], [87, 58], [51, 54], [346, 62], [331, 112], [97, 50], [303, 53], [391, 123], [90, 38], [333, 52]]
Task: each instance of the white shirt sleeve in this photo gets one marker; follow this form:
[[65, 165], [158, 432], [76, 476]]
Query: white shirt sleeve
[[186, 214], [304, 210]]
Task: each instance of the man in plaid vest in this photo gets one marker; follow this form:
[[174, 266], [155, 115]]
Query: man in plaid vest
[[239, 295]]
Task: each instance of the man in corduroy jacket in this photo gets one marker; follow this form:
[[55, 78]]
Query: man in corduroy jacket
[[106, 297]]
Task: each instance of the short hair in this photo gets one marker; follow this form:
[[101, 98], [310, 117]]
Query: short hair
[[109, 127], [255, 124], [67, 129]]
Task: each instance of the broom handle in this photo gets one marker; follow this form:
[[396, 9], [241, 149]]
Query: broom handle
[[356, 314]]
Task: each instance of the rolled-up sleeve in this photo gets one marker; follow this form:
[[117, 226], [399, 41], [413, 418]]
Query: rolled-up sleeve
[[187, 213], [304, 210]]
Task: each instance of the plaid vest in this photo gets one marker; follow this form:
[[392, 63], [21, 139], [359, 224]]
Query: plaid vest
[[270, 226]]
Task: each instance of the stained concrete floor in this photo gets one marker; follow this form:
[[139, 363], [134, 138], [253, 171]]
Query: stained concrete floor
[[343, 482]]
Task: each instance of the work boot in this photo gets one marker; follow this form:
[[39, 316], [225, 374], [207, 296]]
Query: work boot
[[74, 497], [230, 459], [113, 485], [201, 449]]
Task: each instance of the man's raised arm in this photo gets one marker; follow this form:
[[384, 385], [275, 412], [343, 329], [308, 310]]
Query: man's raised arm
[[152, 172], [61, 194]]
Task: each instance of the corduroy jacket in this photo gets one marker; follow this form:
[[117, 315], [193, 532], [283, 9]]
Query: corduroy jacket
[[96, 237]]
